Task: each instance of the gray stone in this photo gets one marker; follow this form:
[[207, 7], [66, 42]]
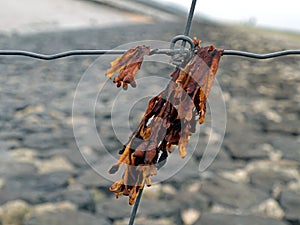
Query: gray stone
[[245, 147], [289, 147], [32, 197], [66, 218], [14, 212], [11, 135], [114, 209], [163, 208], [178, 170], [119, 208], [290, 202], [231, 194], [142, 221], [193, 199], [33, 187], [83, 199], [223, 161], [46, 140], [74, 156], [216, 219], [14, 168], [46, 182], [91, 179], [12, 144], [266, 179], [221, 165], [284, 128]]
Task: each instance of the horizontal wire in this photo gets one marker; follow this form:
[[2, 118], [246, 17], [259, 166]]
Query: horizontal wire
[[80, 52], [261, 56], [58, 55], [152, 52]]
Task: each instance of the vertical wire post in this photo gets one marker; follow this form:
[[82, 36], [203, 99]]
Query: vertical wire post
[[186, 33], [135, 207], [189, 21]]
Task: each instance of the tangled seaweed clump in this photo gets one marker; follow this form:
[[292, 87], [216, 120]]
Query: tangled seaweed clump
[[170, 118]]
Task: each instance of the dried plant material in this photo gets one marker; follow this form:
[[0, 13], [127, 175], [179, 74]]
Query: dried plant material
[[127, 65], [169, 121]]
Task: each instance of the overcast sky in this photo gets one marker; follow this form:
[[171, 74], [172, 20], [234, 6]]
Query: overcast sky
[[271, 13]]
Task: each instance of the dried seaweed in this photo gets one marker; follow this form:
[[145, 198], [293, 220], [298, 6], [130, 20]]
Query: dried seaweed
[[127, 65], [169, 121]]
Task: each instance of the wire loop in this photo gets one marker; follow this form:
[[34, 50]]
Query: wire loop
[[182, 56], [182, 38]]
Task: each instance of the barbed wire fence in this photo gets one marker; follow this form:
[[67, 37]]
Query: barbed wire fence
[[182, 52]]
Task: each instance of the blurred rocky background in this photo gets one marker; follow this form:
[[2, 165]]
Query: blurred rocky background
[[44, 179]]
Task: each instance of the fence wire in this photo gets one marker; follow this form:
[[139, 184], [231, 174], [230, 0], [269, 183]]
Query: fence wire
[[171, 52]]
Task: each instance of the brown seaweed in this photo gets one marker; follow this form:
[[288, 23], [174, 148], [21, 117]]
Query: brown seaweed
[[127, 65], [169, 121]]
